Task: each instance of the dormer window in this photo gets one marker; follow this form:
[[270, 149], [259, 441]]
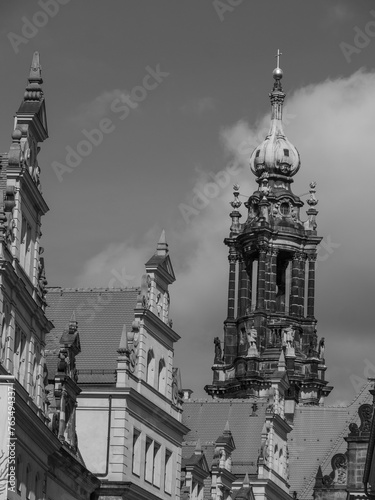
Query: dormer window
[[258, 153], [286, 152]]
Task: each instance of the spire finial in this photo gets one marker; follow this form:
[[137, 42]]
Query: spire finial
[[281, 366], [198, 447], [35, 69], [34, 90], [235, 214], [278, 58], [277, 73], [73, 324], [246, 481], [162, 248]]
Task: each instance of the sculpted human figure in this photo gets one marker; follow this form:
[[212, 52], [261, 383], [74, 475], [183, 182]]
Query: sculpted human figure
[[288, 336], [252, 336], [218, 352], [321, 348]]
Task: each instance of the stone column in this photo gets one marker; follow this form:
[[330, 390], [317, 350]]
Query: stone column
[[294, 298], [311, 286], [261, 277], [267, 280], [249, 276], [272, 280], [243, 291], [232, 282], [301, 284]]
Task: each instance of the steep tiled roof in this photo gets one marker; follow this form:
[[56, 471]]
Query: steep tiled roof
[[101, 314], [207, 420], [318, 434]]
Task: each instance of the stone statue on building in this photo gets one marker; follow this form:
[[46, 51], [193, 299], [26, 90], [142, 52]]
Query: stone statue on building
[[218, 351], [321, 349], [288, 336]]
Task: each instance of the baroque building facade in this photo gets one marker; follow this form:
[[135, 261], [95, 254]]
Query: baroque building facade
[[91, 404]]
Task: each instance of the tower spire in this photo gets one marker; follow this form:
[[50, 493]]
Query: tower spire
[[276, 155]]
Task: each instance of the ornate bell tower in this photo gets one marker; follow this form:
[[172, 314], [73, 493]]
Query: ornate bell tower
[[271, 280]]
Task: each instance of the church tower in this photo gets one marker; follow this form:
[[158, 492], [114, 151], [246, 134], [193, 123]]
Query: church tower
[[271, 289]]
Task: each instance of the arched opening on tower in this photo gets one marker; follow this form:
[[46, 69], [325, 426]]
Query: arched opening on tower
[[283, 282]]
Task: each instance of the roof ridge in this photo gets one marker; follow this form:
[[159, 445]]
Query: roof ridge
[[337, 443], [90, 289]]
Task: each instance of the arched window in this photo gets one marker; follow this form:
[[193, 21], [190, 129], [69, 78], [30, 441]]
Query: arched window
[[150, 367], [162, 377]]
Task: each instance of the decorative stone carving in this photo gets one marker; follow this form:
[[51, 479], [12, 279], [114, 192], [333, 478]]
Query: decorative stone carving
[[253, 208], [264, 448], [42, 281], [144, 298], [312, 201], [264, 187], [133, 341], [158, 304], [338, 476], [275, 210], [176, 386], [365, 414], [167, 303]]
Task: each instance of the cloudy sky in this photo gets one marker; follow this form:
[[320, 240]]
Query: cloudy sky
[[172, 93]]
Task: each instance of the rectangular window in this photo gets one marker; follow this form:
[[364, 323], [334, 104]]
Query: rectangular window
[[23, 241], [28, 250], [156, 465], [168, 472], [136, 454], [149, 460], [25, 245]]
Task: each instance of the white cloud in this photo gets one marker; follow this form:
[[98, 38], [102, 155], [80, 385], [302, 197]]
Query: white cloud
[[90, 113], [198, 106], [333, 129], [338, 13]]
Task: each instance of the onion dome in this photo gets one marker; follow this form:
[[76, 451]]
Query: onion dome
[[276, 155]]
